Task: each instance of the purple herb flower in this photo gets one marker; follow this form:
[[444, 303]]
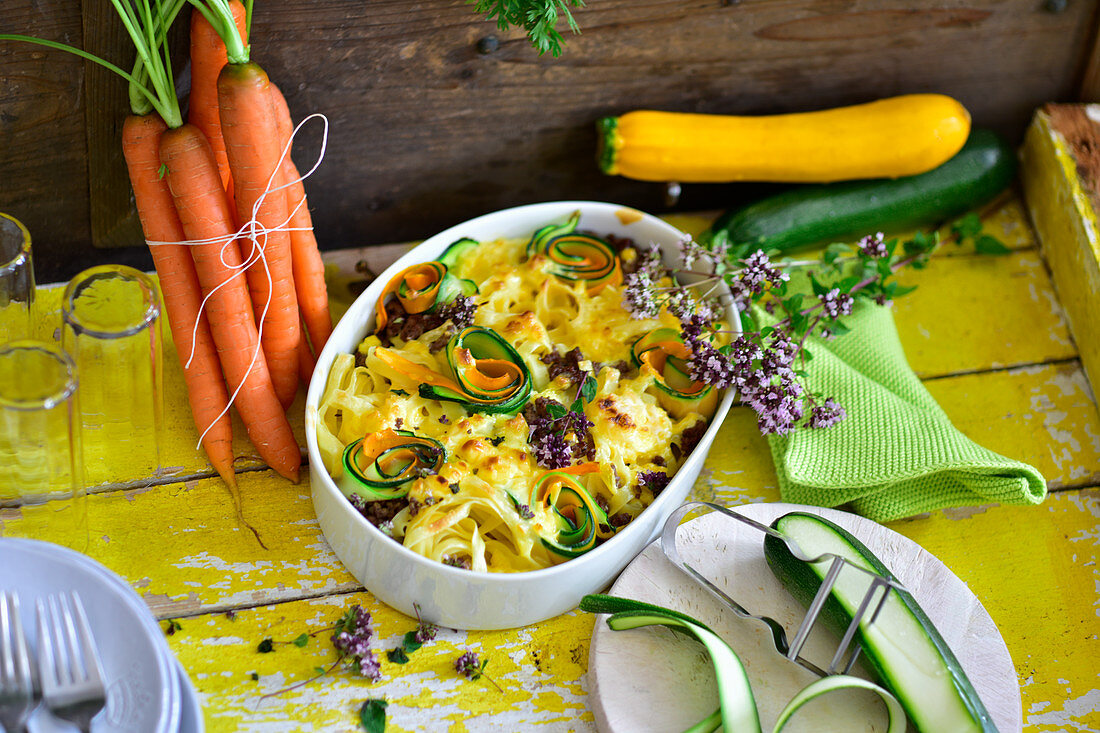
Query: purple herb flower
[[469, 665], [552, 450], [425, 632], [655, 481], [756, 273], [874, 246], [352, 639], [778, 405], [827, 414], [549, 434], [690, 251], [459, 311], [639, 298], [709, 365], [836, 303]]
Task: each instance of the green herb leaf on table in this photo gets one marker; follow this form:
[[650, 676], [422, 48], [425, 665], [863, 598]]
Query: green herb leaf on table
[[173, 627], [398, 655], [266, 646], [372, 715], [989, 245], [410, 643], [301, 640]]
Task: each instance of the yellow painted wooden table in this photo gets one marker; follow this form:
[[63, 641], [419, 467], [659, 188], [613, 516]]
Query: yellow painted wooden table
[[986, 334]]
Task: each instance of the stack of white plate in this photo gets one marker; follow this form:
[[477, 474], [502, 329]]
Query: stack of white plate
[[147, 689]]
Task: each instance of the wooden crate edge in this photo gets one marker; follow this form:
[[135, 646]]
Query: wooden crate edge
[[1062, 211]]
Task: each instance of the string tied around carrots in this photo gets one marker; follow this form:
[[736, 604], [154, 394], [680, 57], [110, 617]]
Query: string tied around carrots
[[255, 233]]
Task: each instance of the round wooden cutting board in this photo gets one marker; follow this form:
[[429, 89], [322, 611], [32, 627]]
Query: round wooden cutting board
[[655, 680]]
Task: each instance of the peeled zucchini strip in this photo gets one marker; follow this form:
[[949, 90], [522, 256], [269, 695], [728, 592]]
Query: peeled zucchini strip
[[896, 713], [737, 711], [379, 465], [663, 354], [421, 288], [575, 256], [579, 520], [489, 375]]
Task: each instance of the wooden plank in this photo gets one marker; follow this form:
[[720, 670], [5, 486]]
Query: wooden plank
[[1035, 570], [179, 544], [1062, 181], [1089, 90], [979, 312], [1040, 595], [44, 175], [114, 221], [427, 132], [540, 670]]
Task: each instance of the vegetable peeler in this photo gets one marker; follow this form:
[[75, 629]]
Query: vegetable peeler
[[847, 652]]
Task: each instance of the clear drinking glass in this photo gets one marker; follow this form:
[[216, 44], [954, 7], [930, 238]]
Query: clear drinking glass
[[16, 280], [112, 331], [41, 472]]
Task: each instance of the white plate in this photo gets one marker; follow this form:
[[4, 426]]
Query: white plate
[[143, 694], [191, 720], [654, 680]]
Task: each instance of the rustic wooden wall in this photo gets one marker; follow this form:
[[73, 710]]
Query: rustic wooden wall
[[427, 130]]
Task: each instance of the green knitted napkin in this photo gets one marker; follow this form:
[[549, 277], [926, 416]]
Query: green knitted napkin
[[896, 454]]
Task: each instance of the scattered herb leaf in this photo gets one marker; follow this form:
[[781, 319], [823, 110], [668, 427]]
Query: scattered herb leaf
[[990, 245], [265, 646], [410, 643], [372, 715]]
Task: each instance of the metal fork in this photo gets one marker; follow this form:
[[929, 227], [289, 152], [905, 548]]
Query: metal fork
[[16, 682], [868, 609], [71, 676]]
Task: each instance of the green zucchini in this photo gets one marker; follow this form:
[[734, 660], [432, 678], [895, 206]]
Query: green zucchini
[[490, 376], [380, 465], [901, 646], [738, 706], [664, 351], [844, 212], [456, 250], [578, 519], [575, 256]]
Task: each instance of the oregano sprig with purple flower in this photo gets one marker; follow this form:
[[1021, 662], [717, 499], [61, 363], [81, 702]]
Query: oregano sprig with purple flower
[[559, 435], [472, 667], [766, 362]]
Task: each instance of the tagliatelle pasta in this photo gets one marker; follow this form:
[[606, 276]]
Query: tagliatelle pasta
[[497, 397]]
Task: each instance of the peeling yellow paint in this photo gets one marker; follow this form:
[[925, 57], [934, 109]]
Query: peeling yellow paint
[[1034, 568]]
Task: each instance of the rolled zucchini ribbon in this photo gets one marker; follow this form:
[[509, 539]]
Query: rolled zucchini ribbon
[[577, 519], [663, 354], [488, 374], [575, 256], [422, 288], [380, 465]]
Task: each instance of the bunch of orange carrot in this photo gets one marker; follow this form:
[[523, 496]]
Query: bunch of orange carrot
[[198, 183]]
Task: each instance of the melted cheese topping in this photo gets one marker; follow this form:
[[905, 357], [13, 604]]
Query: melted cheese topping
[[470, 512]]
